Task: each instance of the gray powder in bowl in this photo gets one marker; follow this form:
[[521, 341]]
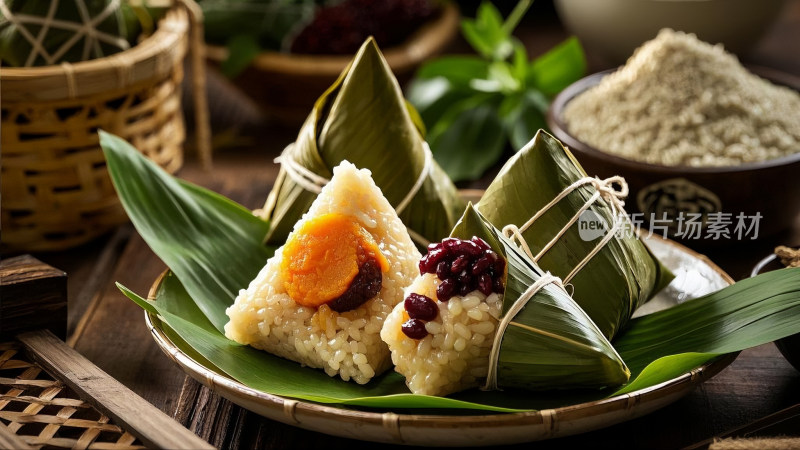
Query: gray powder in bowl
[[681, 101]]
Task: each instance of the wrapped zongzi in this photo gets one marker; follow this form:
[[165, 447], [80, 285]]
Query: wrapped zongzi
[[576, 228], [482, 314], [70, 31], [364, 119]]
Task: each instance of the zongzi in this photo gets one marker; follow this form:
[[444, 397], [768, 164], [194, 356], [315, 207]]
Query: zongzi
[[364, 119], [481, 314], [66, 32], [322, 298], [576, 228]]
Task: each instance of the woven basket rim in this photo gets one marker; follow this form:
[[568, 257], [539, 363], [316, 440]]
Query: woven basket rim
[[153, 57]]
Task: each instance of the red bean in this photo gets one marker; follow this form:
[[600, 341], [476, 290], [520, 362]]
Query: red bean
[[446, 289], [414, 328], [485, 284], [443, 270], [459, 264], [421, 307]]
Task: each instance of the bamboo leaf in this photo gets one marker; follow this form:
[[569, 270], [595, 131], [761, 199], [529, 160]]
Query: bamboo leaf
[[664, 369], [751, 312], [210, 242], [269, 373], [118, 20]]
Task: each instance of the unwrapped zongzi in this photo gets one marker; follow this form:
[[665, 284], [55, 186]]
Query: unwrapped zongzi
[[322, 298]]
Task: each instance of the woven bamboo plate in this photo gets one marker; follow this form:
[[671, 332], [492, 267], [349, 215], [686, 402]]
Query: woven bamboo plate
[[695, 275]]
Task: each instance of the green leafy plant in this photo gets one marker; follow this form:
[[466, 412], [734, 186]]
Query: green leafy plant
[[246, 27], [473, 106]]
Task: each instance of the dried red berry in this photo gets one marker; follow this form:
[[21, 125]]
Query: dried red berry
[[499, 267], [461, 265], [481, 243], [450, 244], [470, 248]]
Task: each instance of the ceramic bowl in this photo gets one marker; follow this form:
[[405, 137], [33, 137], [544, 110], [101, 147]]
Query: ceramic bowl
[[769, 188], [614, 28]]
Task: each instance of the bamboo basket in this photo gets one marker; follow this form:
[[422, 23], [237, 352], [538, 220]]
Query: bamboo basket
[[56, 192], [40, 411]]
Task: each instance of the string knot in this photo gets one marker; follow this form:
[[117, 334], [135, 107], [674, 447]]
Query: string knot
[[613, 189], [609, 191]]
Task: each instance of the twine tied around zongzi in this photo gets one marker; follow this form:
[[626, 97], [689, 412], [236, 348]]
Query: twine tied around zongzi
[[305, 178], [314, 183], [508, 319], [604, 189]]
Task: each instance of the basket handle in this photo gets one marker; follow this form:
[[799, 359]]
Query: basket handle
[[201, 114]]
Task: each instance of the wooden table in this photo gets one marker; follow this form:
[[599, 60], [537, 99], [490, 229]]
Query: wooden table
[[109, 329]]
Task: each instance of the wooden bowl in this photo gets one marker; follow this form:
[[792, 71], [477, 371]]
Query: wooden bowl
[[769, 188], [286, 85]]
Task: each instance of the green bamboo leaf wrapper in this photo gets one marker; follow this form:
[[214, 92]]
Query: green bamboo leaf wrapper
[[557, 345], [617, 280], [363, 118]]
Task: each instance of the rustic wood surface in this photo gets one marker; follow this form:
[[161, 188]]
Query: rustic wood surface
[[109, 329], [34, 296]]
